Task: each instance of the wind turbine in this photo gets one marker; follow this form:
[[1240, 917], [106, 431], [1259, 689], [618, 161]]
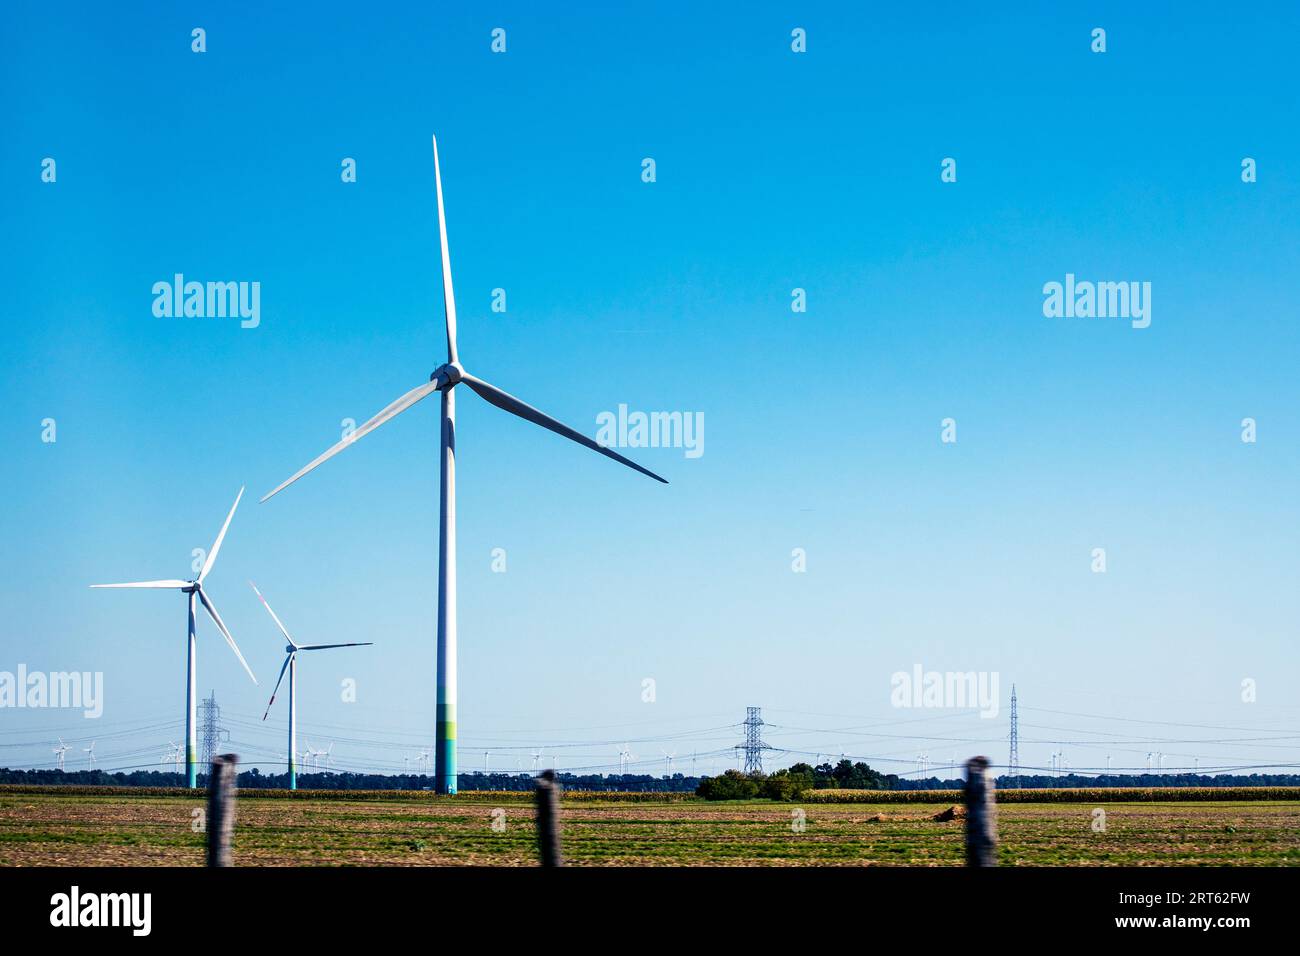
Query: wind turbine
[[422, 758], [316, 755], [537, 758], [291, 664], [668, 760], [90, 752], [624, 759], [195, 591], [173, 756], [444, 379], [485, 762], [59, 751]]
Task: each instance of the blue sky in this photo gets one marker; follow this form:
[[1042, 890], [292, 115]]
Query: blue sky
[[775, 170]]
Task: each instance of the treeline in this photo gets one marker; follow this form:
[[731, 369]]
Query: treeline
[[732, 785], [1046, 781], [789, 784], [254, 779]]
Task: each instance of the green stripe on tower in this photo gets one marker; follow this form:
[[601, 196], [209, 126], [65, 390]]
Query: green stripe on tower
[[445, 736]]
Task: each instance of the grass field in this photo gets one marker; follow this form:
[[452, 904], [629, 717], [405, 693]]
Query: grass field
[[417, 829]]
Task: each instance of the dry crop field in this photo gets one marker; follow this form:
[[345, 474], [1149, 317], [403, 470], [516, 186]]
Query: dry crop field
[[95, 827]]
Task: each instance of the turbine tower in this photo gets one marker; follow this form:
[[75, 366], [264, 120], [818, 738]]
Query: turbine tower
[[444, 379], [59, 751], [195, 591], [291, 665]]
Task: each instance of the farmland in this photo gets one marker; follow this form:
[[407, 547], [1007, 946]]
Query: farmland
[[44, 827]]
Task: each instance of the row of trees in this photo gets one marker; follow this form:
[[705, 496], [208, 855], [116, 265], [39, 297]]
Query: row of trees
[[788, 784], [733, 785], [254, 779], [846, 775]]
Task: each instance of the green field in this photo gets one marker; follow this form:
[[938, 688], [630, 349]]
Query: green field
[[128, 828]]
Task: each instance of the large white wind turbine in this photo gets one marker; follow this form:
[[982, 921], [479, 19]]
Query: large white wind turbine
[[444, 379], [195, 590], [291, 665]]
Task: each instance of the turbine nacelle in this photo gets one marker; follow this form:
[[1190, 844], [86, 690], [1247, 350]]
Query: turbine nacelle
[[448, 375]]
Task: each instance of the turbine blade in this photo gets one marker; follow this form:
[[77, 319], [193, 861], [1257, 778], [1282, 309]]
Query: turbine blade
[[395, 408], [225, 632], [146, 584], [273, 617], [212, 555], [448, 297], [321, 647], [284, 668], [509, 403]]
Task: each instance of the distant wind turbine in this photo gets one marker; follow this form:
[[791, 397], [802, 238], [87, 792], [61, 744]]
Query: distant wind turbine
[[318, 755], [195, 591], [291, 665], [59, 751], [173, 756], [90, 752], [444, 379]]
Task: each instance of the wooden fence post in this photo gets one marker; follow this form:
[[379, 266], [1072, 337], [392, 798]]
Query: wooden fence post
[[221, 808], [981, 814], [548, 819]]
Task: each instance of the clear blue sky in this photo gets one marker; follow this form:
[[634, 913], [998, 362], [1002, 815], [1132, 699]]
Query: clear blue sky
[[775, 170]]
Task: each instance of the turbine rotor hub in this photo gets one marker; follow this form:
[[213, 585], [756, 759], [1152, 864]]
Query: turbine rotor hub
[[447, 375]]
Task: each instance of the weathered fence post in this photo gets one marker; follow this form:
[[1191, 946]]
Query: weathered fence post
[[981, 815], [548, 819], [221, 808]]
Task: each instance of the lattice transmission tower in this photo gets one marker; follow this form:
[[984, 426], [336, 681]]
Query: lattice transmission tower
[[1013, 763], [214, 735], [754, 745]]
